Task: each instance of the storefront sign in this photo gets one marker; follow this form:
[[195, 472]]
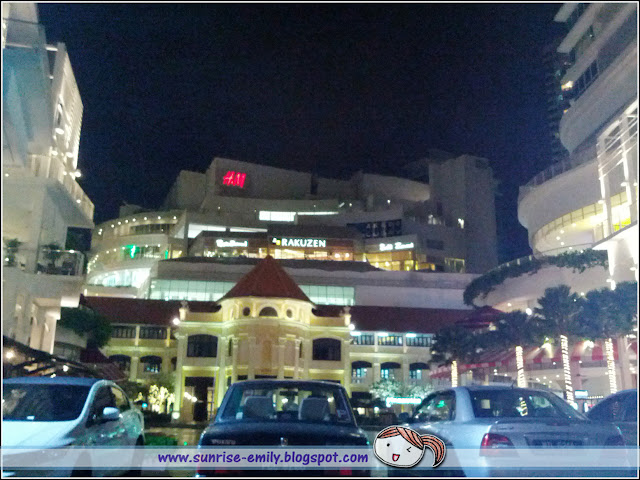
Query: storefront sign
[[234, 179], [299, 242], [384, 247], [220, 243]]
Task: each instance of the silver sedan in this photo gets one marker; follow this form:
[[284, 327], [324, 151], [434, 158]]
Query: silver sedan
[[482, 425]]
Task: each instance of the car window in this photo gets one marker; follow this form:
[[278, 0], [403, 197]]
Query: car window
[[631, 410], [324, 404], [437, 408], [610, 410], [520, 403], [104, 398], [43, 403], [122, 402]]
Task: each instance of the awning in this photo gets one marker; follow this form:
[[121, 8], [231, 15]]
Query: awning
[[360, 364]]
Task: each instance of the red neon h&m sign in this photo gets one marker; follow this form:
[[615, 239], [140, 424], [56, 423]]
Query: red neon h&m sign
[[234, 179]]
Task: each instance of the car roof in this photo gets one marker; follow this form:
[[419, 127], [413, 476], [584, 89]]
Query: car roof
[[287, 382], [79, 381]]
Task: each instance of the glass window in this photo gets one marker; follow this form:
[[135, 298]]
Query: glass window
[[327, 349], [151, 363], [359, 372], [419, 341], [202, 346], [390, 340], [103, 399], [287, 403], [436, 408], [42, 403], [514, 403], [122, 402]]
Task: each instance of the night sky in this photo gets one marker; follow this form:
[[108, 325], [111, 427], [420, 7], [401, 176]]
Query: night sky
[[328, 87]]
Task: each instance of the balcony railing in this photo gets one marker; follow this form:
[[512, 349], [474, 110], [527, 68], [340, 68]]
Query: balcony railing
[[45, 261], [577, 159]]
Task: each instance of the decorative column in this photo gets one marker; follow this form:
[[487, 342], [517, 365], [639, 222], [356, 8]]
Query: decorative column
[[281, 346], [611, 365], [306, 353], [234, 359], [296, 360], [454, 374], [376, 372], [405, 371], [625, 366], [179, 380], [251, 374], [136, 341], [221, 374], [346, 376], [566, 366], [133, 368], [522, 381]]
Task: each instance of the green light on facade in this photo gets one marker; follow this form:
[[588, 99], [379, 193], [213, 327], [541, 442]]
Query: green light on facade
[[132, 250], [166, 254]]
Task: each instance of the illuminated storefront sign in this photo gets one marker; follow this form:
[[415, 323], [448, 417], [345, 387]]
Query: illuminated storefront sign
[[299, 242], [384, 247], [231, 243], [234, 179]]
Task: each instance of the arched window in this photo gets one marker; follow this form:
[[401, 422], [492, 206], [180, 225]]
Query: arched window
[[202, 346], [415, 370], [174, 363], [122, 361], [359, 370], [387, 369], [327, 349], [268, 312], [151, 363]]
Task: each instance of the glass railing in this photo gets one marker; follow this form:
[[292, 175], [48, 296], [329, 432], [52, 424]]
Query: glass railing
[[579, 158], [21, 34], [45, 261]]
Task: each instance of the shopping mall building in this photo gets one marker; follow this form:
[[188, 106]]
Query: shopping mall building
[[438, 220]]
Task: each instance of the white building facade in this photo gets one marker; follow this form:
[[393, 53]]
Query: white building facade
[[42, 118]]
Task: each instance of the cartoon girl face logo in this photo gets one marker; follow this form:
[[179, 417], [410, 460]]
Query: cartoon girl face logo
[[402, 447]]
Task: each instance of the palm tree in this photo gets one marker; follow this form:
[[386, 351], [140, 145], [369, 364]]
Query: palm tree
[[607, 314], [452, 344], [517, 329], [557, 316]]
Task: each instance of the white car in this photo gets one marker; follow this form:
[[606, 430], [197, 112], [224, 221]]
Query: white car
[[47, 413]]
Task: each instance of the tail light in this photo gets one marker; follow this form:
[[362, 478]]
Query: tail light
[[494, 444], [345, 472], [615, 441]]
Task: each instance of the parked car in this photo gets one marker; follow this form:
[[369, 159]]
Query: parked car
[[503, 419], [621, 409], [283, 413], [43, 412]]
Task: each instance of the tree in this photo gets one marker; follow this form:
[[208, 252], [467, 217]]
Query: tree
[[607, 314], [84, 321], [387, 387], [52, 252], [514, 330], [557, 316], [453, 344]]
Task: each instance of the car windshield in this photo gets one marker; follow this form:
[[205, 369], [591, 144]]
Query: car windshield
[[521, 403], [317, 404], [43, 403]]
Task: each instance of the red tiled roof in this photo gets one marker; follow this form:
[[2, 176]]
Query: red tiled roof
[[402, 319], [267, 279], [141, 311]]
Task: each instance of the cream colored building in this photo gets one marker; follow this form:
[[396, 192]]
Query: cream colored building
[[266, 327]]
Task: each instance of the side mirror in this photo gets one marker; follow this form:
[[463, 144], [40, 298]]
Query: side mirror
[[110, 414]]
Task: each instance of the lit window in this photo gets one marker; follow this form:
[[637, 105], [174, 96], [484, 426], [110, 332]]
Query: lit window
[[267, 216]]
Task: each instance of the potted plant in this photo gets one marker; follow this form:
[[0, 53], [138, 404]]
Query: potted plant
[[11, 249], [52, 252]]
